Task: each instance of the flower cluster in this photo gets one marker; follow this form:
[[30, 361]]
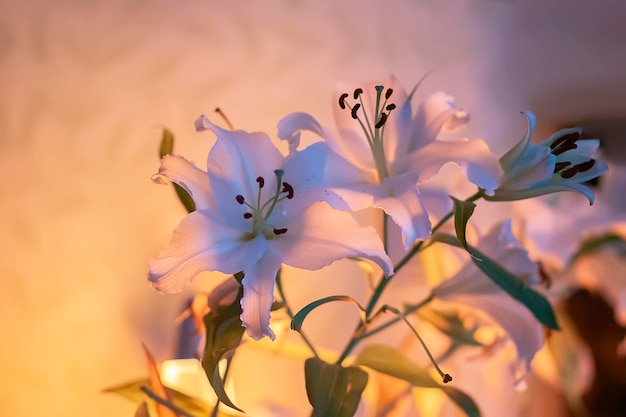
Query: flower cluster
[[256, 210]]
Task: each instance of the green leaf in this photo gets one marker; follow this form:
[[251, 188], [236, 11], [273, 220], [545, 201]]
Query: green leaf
[[130, 390], [463, 210], [167, 143], [298, 318], [134, 392], [167, 148], [388, 361], [224, 331], [333, 390], [450, 324], [535, 302], [596, 243], [538, 305]]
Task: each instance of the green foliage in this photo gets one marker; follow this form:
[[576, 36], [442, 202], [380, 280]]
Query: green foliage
[[134, 391], [166, 148], [388, 361], [514, 286], [596, 243], [298, 319], [463, 210], [333, 390], [450, 324], [224, 331]]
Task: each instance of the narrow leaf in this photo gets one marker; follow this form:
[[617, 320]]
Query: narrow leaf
[[463, 210], [167, 148], [224, 332], [298, 318], [388, 361], [535, 302], [167, 143], [333, 390], [135, 392], [596, 243], [157, 386], [538, 305]]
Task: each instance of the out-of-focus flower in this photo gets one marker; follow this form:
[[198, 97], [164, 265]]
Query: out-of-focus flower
[[560, 163], [382, 151], [471, 287], [554, 226], [251, 216]]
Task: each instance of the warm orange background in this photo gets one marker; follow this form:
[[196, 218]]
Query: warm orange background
[[85, 87]]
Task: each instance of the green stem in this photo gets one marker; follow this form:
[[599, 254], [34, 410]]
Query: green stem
[[360, 333], [281, 292]]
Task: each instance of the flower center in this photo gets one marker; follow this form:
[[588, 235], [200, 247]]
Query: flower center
[[564, 167], [373, 128], [260, 211]]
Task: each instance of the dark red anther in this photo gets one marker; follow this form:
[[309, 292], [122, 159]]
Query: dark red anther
[[357, 93], [586, 166], [390, 107], [261, 181], [569, 173], [355, 109], [288, 188], [280, 231], [240, 199], [582, 167], [247, 215], [564, 143], [388, 93], [560, 166], [447, 378], [342, 100], [381, 121]]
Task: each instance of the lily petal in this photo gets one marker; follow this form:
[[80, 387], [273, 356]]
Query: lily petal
[[433, 115], [320, 235], [319, 174], [407, 210], [480, 166], [258, 296], [290, 127], [516, 320], [237, 159], [202, 242], [191, 178]]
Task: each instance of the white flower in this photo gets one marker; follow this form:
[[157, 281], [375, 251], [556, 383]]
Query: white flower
[[383, 151], [560, 163], [471, 287], [252, 216]]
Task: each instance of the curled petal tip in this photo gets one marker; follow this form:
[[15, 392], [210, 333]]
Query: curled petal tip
[[202, 123], [159, 179]]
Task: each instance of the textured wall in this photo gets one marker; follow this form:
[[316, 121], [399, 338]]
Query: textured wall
[[85, 87]]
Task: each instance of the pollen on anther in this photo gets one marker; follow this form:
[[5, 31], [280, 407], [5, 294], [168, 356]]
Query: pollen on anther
[[247, 215], [261, 181], [390, 107], [560, 166], [288, 188], [342, 100], [388, 93], [355, 109], [381, 122], [240, 199], [280, 231], [357, 93]]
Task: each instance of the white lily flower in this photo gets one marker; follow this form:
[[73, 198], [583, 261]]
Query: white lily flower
[[471, 287], [252, 215], [560, 163], [383, 151]]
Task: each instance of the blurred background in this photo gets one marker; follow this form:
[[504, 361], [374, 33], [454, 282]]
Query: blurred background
[[86, 87]]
